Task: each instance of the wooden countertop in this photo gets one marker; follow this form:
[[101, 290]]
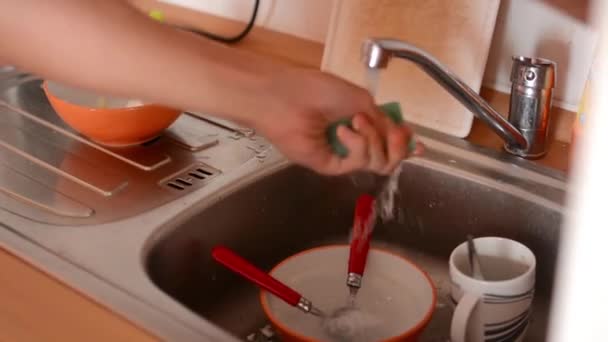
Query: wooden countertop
[[37, 307]]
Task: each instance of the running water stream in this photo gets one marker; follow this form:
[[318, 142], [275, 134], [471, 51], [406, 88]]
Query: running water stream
[[391, 188], [351, 323]]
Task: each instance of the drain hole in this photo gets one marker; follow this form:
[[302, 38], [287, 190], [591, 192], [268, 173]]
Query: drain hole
[[175, 186], [196, 175], [203, 171], [183, 182], [191, 178]]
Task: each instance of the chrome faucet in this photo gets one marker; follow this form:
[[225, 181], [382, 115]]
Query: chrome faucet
[[525, 133]]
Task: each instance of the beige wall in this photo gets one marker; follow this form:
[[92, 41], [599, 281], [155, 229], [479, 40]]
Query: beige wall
[[555, 29]]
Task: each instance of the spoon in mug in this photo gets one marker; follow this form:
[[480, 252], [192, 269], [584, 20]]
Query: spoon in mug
[[474, 259]]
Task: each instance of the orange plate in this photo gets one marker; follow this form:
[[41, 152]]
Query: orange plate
[[117, 126]]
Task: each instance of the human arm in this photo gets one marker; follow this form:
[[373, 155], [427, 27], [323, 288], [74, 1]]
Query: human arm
[[110, 47]]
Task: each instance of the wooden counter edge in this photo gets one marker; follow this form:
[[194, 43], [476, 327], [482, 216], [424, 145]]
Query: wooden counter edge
[[37, 307]]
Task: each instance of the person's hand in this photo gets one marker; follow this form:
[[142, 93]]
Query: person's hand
[[303, 103]]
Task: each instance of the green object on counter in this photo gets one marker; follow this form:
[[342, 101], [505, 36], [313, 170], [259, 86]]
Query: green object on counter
[[391, 109]]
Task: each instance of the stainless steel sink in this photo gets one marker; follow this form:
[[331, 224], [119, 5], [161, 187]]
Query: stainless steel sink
[[443, 198], [143, 250]]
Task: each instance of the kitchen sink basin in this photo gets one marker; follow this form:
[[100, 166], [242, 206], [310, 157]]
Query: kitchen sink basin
[[441, 200], [207, 181]]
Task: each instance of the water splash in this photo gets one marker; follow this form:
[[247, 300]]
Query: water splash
[[387, 197], [260, 152], [236, 135], [248, 133]]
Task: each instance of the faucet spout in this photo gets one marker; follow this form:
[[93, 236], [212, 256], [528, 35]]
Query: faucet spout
[[378, 52]]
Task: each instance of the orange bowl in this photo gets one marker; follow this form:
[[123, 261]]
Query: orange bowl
[[108, 120], [398, 296]]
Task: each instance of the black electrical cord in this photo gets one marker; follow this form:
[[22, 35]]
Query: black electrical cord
[[238, 37]]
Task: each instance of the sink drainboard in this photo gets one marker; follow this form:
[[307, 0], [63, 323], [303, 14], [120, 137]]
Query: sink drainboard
[[66, 179]]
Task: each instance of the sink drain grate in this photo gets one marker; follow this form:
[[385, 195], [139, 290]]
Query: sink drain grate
[[192, 178]]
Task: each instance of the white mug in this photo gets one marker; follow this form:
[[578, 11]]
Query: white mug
[[496, 308]]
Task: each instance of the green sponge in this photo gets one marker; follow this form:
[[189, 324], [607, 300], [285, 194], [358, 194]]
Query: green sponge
[[391, 109]]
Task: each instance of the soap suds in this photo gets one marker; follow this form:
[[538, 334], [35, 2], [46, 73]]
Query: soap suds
[[352, 325], [382, 309]]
